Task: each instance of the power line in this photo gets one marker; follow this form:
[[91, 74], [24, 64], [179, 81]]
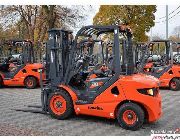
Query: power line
[[174, 15], [171, 12], [169, 18]]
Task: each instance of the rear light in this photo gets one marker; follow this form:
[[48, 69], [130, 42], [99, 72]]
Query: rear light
[[149, 91]]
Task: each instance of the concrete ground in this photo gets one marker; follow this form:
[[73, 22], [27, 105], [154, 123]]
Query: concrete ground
[[25, 123]]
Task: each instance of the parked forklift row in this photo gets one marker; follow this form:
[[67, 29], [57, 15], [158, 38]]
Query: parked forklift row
[[159, 58], [91, 74]]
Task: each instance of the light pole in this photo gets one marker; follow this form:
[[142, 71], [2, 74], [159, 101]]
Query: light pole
[[166, 21]]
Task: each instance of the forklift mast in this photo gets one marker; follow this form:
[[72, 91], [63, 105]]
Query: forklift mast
[[57, 55], [27, 52]]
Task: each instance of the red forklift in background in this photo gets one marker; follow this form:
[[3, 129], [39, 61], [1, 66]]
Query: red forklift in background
[[157, 59], [20, 69]]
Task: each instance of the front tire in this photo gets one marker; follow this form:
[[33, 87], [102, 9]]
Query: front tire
[[30, 82], [60, 105], [174, 84], [130, 116]]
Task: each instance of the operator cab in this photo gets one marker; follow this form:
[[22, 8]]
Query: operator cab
[[20, 53], [97, 65], [94, 63]]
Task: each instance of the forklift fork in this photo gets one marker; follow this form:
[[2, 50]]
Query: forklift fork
[[43, 107]]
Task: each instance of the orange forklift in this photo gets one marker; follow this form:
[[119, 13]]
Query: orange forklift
[[116, 92], [158, 60], [19, 68]]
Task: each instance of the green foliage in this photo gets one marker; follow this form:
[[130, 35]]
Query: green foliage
[[139, 17]]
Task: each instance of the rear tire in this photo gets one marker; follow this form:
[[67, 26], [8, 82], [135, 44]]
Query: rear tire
[[60, 105], [174, 84], [130, 116], [30, 82]]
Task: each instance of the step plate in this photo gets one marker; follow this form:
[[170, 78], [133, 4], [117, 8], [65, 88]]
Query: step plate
[[82, 102]]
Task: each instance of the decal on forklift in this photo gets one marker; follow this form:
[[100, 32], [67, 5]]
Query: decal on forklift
[[96, 84], [95, 107]]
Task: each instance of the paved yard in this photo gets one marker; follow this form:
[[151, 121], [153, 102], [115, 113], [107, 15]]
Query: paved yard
[[25, 123]]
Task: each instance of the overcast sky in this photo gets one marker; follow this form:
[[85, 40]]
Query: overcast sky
[[159, 28]]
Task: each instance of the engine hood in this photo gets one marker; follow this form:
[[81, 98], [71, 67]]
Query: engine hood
[[140, 81]]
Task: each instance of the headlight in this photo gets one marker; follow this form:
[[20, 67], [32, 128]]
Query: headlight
[[40, 70], [149, 91]]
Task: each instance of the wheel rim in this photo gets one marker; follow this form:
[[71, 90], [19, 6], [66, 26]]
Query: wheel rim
[[58, 104], [173, 84], [30, 83], [129, 117]]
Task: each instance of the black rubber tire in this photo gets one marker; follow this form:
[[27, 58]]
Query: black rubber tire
[[69, 105], [1, 82], [139, 114], [34, 82], [177, 81]]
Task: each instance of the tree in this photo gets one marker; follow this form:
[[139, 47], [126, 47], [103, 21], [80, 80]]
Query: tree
[[174, 38], [33, 21], [139, 17]]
